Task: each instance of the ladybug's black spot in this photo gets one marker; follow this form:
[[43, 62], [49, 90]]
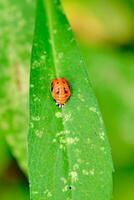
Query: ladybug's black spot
[[57, 82], [65, 91], [58, 91]]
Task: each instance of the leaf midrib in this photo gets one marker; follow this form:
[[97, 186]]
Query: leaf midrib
[[47, 7], [50, 27]]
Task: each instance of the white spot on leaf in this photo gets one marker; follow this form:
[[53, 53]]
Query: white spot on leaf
[[74, 176], [93, 109], [81, 97], [54, 140], [85, 172], [102, 135], [36, 118], [58, 114], [39, 133], [65, 188], [71, 140], [36, 99], [67, 117], [91, 172], [60, 55], [48, 193], [64, 180]]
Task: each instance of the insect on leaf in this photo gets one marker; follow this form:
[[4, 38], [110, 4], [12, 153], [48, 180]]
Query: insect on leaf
[[69, 154]]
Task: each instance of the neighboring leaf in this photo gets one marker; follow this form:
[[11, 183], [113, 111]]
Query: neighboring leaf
[[93, 18], [69, 154], [5, 158], [113, 96], [15, 47], [15, 191]]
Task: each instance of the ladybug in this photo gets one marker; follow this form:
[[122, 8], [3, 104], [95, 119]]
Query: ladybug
[[60, 91]]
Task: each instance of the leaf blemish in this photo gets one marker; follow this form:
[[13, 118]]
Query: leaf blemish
[[64, 180], [62, 133], [35, 118], [44, 54], [36, 99], [67, 117], [88, 172], [60, 55], [54, 140], [74, 176], [71, 140], [81, 97], [60, 137], [93, 109], [39, 133], [85, 172], [65, 189], [64, 140], [102, 134], [48, 193], [35, 64], [43, 57], [58, 114], [91, 172]]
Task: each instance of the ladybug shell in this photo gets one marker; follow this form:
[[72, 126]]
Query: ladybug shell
[[60, 91]]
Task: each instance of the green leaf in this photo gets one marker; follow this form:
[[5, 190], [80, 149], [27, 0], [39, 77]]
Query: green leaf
[[15, 47], [69, 154]]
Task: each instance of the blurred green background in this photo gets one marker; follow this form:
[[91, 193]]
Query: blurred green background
[[105, 33]]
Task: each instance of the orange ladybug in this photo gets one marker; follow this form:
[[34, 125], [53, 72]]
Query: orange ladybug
[[60, 91]]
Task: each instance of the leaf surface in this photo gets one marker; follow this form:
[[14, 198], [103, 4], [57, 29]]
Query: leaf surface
[[69, 154]]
